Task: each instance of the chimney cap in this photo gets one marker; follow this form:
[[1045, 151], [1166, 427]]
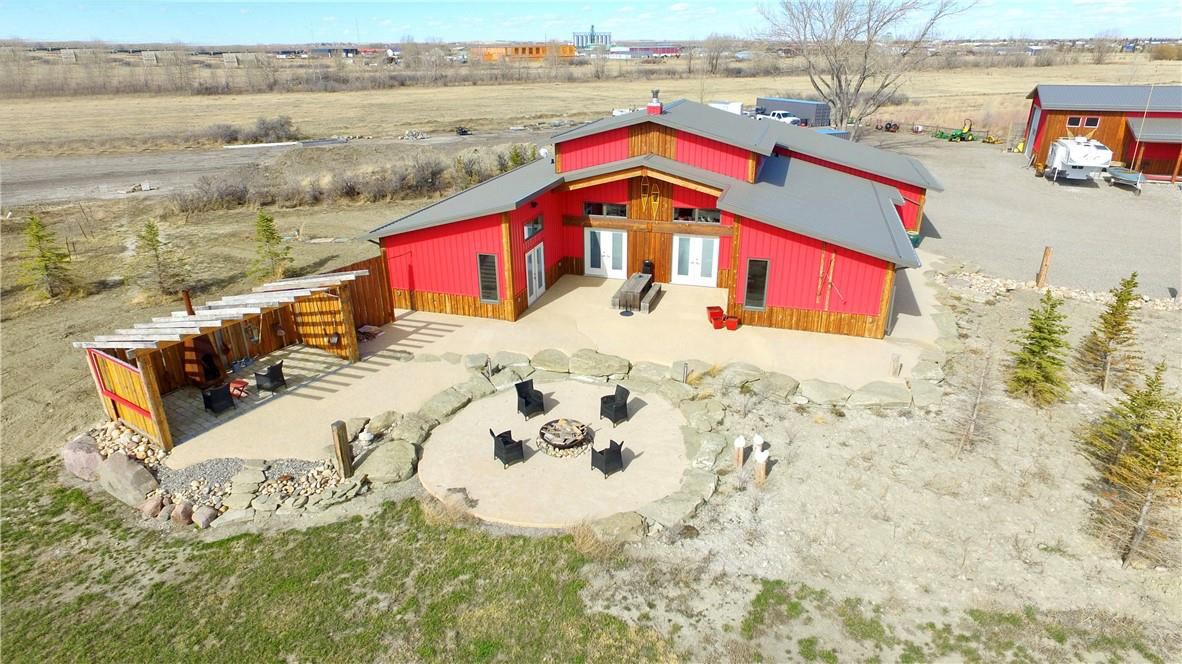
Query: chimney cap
[[656, 93]]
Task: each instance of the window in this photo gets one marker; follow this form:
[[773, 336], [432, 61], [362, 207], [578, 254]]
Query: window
[[1074, 121], [755, 294], [533, 227], [699, 215], [605, 209], [487, 264], [1091, 123]]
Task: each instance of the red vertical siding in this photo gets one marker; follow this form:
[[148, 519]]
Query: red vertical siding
[[551, 235], [593, 150], [608, 192], [443, 259], [711, 155], [794, 271], [908, 212]]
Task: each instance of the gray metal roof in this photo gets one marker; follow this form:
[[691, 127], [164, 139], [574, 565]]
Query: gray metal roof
[[1109, 97], [500, 194], [762, 136], [1156, 130]]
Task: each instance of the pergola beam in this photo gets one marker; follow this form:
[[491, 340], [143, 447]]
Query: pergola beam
[[352, 273], [306, 282], [179, 325], [114, 344], [151, 332], [138, 337]]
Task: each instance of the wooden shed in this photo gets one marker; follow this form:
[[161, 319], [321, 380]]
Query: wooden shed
[[135, 367]]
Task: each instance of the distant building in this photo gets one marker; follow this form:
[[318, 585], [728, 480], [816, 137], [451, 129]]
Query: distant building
[[585, 41], [644, 50], [535, 51]]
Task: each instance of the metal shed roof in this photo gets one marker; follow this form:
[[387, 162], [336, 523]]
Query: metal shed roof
[[1152, 98], [762, 136], [1156, 130], [499, 194]]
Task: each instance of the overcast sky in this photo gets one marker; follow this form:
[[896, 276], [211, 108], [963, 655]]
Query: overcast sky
[[481, 20]]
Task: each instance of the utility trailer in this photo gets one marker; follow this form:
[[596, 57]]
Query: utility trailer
[[811, 113]]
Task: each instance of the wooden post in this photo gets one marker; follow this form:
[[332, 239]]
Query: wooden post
[[1042, 270], [1177, 165], [147, 361], [761, 457], [343, 450], [740, 448], [510, 302], [348, 324], [188, 302]]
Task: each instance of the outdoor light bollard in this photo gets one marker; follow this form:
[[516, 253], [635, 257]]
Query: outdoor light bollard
[[757, 442], [761, 457], [740, 446], [342, 449]]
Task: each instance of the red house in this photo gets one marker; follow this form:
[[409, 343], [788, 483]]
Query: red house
[[804, 231], [1141, 124]]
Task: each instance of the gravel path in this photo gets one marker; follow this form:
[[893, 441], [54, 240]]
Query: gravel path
[[997, 215], [219, 471]]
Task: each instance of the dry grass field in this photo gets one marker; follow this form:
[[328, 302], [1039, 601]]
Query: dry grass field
[[994, 98]]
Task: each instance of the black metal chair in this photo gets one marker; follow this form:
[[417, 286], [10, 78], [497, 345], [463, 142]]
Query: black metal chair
[[615, 406], [218, 399], [529, 400], [271, 379], [608, 460], [505, 449]]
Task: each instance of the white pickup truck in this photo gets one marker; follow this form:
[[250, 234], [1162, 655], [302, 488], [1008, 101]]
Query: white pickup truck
[[780, 116]]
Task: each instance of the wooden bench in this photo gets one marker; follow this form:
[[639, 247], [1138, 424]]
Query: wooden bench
[[650, 298]]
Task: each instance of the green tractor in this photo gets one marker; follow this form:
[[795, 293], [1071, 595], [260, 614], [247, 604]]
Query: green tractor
[[965, 133]]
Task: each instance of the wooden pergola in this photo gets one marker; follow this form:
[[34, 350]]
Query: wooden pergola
[[134, 367]]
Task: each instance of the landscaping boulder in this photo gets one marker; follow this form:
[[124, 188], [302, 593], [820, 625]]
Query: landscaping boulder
[[682, 369], [620, 527], [182, 515], [451, 358], [265, 503], [551, 359], [650, 371], [204, 515], [125, 479], [399, 355], [426, 357], [674, 391], [824, 392], [710, 446], [697, 485], [882, 394], [238, 501], [638, 385], [81, 457], [393, 461], [354, 426], [548, 376], [506, 358], [475, 361], [738, 374], [247, 480], [151, 507], [413, 428], [444, 404], [505, 378], [593, 363], [165, 514], [925, 394], [927, 370], [775, 386], [476, 387], [383, 421], [703, 415], [233, 516]]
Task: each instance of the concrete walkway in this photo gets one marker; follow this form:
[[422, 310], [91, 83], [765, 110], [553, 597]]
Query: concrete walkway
[[575, 313], [295, 422], [545, 491]]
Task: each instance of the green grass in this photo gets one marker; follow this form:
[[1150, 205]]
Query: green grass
[[809, 651], [774, 604], [80, 585]]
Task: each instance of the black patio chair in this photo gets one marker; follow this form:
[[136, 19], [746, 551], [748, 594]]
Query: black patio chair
[[505, 449], [271, 379], [529, 400], [218, 399], [615, 406], [608, 460]]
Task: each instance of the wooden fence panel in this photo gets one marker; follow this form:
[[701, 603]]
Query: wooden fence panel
[[122, 388], [318, 317], [373, 302]]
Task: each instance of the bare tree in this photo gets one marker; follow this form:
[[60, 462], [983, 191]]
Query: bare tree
[[1103, 46], [715, 47], [855, 51], [598, 61], [688, 54]]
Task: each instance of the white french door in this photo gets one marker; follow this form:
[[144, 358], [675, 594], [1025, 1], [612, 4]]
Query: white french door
[[695, 260], [535, 273], [605, 253]]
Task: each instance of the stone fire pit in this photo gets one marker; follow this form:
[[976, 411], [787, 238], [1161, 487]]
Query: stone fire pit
[[564, 438]]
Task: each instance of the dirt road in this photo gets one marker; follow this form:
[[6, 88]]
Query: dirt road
[[28, 180]]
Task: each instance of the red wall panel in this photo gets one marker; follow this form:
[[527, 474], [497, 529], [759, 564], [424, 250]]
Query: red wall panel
[[794, 271], [594, 149], [608, 192], [552, 235], [443, 259], [711, 155], [908, 212]]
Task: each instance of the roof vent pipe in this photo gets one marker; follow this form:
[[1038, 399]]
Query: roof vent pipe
[[654, 107]]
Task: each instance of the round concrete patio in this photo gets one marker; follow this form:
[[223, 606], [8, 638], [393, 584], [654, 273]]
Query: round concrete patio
[[544, 491]]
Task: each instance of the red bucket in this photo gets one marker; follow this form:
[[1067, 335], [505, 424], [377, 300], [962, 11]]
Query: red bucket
[[732, 323]]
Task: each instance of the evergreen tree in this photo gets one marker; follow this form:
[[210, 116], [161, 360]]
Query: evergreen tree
[[1108, 354], [156, 263], [272, 258], [46, 266], [1037, 370], [1135, 413]]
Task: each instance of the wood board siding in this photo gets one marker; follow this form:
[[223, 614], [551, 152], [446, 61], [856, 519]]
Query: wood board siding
[[650, 199], [714, 156], [236, 342], [651, 138], [591, 150], [372, 301], [1113, 132], [124, 393], [449, 303], [320, 316]]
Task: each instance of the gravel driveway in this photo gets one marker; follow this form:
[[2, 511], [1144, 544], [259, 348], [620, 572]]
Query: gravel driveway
[[996, 214]]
